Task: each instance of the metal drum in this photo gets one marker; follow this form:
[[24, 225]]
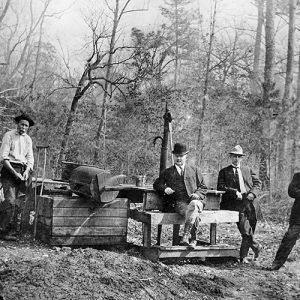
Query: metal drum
[[83, 181], [90, 182]]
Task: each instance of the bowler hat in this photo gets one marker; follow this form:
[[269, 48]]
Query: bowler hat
[[237, 150], [24, 117], [180, 149]]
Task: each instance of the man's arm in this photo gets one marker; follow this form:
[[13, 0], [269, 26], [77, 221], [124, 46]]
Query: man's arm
[[160, 184], [201, 188], [29, 158], [256, 184], [8, 166], [294, 186]]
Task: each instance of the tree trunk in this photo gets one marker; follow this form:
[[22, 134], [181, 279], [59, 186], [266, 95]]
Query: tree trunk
[[102, 123], [205, 97], [284, 117], [268, 85], [295, 157], [78, 94], [254, 79]]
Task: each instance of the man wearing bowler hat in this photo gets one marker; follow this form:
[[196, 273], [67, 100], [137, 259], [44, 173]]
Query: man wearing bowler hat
[[16, 154], [241, 186], [184, 191]]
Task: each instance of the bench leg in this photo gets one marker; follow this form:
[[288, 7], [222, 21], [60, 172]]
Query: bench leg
[[158, 239], [176, 229], [213, 233], [147, 234]]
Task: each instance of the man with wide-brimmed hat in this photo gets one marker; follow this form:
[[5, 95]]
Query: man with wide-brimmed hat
[[184, 192], [241, 186], [16, 154]]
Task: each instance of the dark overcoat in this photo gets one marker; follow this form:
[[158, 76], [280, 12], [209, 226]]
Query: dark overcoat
[[227, 181], [193, 181], [294, 192]]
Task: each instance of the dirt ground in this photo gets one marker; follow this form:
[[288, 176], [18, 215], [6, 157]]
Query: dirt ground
[[31, 270]]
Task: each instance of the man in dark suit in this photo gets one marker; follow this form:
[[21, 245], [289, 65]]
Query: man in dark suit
[[293, 232], [241, 186], [184, 191]]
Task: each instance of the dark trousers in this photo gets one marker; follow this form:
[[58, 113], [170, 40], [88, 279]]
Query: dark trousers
[[287, 244], [246, 225], [9, 208]]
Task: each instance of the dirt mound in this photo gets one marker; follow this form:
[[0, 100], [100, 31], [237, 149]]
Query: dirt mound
[[29, 270], [99, 274]]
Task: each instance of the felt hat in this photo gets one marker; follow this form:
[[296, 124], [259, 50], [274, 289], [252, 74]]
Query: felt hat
[[237, 150], [24, 117], [180, 149]]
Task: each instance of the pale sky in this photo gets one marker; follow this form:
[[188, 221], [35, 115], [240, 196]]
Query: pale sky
[[69, 27]]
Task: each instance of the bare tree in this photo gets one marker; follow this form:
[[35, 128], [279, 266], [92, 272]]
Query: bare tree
[[268, 87], [100, 71], [284, 117], [206, 84], [254, 78]]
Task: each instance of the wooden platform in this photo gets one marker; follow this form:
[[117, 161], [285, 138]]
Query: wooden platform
[[156, 253], [73, 221]]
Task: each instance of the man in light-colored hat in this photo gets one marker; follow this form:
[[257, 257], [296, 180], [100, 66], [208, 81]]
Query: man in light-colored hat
[[241, 186], [184, 192], [16, 153]]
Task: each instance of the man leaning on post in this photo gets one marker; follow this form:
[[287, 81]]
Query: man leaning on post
[[184, 192], [241, 186], [16, 153]]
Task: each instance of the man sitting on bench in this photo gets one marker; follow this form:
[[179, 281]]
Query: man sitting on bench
[[184, 192]]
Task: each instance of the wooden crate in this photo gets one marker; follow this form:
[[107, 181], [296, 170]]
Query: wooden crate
[[73, 221], [153, 201]]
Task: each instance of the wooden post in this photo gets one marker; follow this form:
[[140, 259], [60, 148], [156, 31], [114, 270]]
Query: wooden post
[[176, 229], [213, 233]]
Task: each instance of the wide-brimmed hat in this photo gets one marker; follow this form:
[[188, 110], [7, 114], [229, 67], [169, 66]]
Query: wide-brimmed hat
[[180, 149], [24, 117], [237, 150]]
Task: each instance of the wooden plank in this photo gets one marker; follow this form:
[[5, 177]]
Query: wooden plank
[[90, 221], [147, 234], [213, 234], [175, 239], [45, 220], [87, 240], [218, 216], [204, 246], [43, 232], [153, 201], [50, 181], [140, 216], [86, 212], [67, 201], [156, 253], [92, 231], [44, 205], [213, 201]]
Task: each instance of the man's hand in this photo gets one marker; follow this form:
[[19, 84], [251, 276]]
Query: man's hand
[[169, 191], [194, 196], [250, 197], [239, 195], [26, 174]]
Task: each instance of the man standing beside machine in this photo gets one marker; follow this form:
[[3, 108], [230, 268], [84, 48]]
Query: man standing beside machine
[[241, 186], [16, 154]]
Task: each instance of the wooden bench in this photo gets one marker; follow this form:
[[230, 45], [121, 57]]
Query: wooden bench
[[151, 214]]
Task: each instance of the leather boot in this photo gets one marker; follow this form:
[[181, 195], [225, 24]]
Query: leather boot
[[193, 242], [186, 234]]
